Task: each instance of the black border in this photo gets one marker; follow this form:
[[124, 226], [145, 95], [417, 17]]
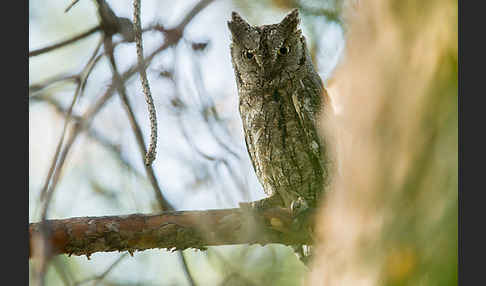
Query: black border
[[471, 118], [14, 120]]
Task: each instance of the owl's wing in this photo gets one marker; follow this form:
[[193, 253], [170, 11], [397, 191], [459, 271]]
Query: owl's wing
[[311, 112], [307, 103], [252, 159], [250, 147], [308, 100]]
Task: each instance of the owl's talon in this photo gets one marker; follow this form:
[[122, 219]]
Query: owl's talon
[[303, 252], [298, 206], [273, 201], [303, 219]]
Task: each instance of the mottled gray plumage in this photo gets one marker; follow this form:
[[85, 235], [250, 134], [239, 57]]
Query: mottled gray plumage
[[281, 102]]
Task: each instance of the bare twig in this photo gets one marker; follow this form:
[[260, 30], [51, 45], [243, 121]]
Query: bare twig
[[209, 110], [216, 159], [96, 107], [151, 152], [100, 277], [229, 266], [34, 88], [79, 89], [185, 267], [134, 124], [64, 275], [211, 117], [45, 188], [93, 110], [163, 203], [206, 103], [71, 5], [37, 87], [194, 11], [172, 37], [56, 166], [65, 43], [92, 133]]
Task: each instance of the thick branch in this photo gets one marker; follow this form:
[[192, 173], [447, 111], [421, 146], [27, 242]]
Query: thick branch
[[172, 230]]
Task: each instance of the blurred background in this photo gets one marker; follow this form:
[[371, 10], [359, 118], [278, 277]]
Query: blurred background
[[391, 70]]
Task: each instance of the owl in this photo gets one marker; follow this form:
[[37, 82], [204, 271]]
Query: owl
[[281, 102]]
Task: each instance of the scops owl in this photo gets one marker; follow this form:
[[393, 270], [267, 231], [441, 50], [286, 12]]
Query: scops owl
[[281, 102]]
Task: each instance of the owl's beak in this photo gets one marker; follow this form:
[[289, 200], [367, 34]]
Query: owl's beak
[[259, 60], [266, 66]]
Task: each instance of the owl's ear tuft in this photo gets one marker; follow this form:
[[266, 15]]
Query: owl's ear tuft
[[291, 21], [242, 33], [236, 17], [237, 25]]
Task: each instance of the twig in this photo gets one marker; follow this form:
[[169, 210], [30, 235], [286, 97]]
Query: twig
[[56, 167], [93, 110], [100, 277], [96, 107], [151, 152], [134, 124], [61, 272], [185, 267], [65, 43], [71, 5], [163, 203], [208, 103], [45, 189], [210, 118], [36, 87], [173, 36], [194, 11], [92, 134], [79, 89], [229, 266]]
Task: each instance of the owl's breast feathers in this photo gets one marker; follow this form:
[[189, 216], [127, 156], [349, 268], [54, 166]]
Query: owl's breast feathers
[[281, 135]]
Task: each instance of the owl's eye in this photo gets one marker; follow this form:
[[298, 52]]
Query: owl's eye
[[284, 50], [249, 55]]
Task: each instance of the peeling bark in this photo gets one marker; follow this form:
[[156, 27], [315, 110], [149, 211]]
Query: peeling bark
[[172, 230]]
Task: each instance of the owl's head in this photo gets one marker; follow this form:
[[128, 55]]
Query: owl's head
[[266, 55]]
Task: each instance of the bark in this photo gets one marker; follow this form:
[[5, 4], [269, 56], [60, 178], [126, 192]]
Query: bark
[[172, 230]]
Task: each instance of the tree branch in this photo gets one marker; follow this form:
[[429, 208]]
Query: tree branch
[[172, 230]]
